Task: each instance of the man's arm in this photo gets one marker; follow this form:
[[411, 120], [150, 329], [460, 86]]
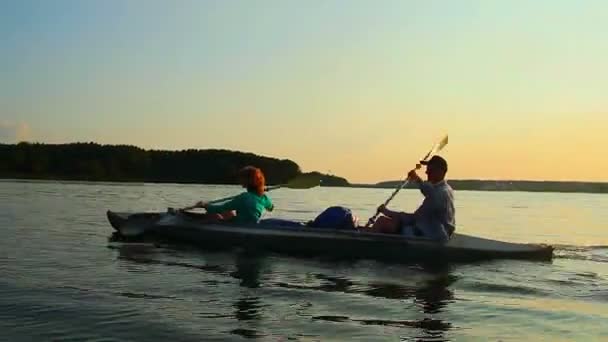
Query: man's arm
[[390, 213]]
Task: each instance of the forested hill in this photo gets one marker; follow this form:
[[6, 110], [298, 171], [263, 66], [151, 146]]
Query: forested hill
[[95, 162]]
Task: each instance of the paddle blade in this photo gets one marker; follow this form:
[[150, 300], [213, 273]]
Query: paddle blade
[[442, 143], [303, 182], [436, 148]]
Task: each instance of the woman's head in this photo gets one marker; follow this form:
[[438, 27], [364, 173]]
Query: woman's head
[[253, 179]]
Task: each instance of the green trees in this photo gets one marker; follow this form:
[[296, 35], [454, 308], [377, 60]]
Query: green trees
[[95, 162]]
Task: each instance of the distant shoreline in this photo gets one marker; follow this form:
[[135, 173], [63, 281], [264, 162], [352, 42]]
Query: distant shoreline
[[509, 185], [92, 162], [458, 185]]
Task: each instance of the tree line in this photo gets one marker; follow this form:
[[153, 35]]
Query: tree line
[[95, 162]]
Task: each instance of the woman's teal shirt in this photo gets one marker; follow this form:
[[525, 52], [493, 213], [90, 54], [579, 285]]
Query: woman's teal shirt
[[249, 207]]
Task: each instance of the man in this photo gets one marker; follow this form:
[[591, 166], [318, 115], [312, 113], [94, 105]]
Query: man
[[435, 218]]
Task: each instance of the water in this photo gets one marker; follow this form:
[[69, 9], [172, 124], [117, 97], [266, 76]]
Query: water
[[61, 279]]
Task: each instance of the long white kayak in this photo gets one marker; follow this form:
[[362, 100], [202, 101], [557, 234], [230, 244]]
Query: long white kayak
[[321, 241]]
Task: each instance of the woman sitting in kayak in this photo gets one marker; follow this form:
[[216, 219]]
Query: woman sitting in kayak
[[246, 208]]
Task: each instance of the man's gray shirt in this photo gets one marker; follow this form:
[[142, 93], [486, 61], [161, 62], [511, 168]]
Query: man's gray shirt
[[436, 215]]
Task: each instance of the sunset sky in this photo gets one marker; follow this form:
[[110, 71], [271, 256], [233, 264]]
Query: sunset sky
[[359, 88]]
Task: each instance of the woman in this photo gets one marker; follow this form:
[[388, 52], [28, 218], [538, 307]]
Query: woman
[[246, 208]]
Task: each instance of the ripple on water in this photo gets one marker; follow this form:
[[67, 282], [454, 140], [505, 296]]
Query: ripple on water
[[594, 253]]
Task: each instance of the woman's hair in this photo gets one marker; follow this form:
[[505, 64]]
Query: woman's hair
[[253, 179]]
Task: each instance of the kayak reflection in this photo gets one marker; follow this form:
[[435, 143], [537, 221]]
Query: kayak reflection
[[420, 294]]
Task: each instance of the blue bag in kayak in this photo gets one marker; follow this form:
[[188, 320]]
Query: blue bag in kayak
[[336, 217]]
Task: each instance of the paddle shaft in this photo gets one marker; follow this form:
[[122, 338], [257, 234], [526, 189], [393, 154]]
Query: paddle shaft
[[403, 184], [388, 200]]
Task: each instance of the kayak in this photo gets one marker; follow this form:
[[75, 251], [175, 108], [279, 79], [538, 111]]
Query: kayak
[[308, 241]]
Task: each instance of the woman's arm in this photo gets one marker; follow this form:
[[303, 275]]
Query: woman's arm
[[269, 205], [226, 206]]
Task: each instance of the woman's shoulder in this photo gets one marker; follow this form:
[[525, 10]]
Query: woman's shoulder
[[243, 195], [263, 196]]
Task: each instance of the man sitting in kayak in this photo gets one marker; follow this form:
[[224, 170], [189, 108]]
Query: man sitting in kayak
[[246, 208], [435, 218]]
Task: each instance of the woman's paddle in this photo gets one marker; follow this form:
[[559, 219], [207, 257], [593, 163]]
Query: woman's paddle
[[138, 223], [300, 182], [436, 148]]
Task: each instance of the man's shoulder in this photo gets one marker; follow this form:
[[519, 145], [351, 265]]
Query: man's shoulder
[[444, 186]]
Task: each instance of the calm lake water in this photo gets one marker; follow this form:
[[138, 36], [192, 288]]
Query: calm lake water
[[62, 279]]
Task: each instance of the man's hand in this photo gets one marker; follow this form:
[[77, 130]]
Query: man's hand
[[413, 176], [381, 208]]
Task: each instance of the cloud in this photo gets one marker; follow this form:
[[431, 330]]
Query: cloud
[[14, 132]]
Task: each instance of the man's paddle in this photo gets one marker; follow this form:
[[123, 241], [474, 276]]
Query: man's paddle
[[300, 182], [436, 148]]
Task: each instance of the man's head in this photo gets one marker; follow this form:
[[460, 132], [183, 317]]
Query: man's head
[[436, 168]]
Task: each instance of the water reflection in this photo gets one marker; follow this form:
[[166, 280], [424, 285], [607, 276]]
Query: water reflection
[[248, 307], [247, 333], [432, 296], [248, 268], [426, 287], [432, 293], [435, 294], [147, 254]]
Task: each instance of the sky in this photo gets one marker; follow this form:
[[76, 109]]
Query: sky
[[360, 89]]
